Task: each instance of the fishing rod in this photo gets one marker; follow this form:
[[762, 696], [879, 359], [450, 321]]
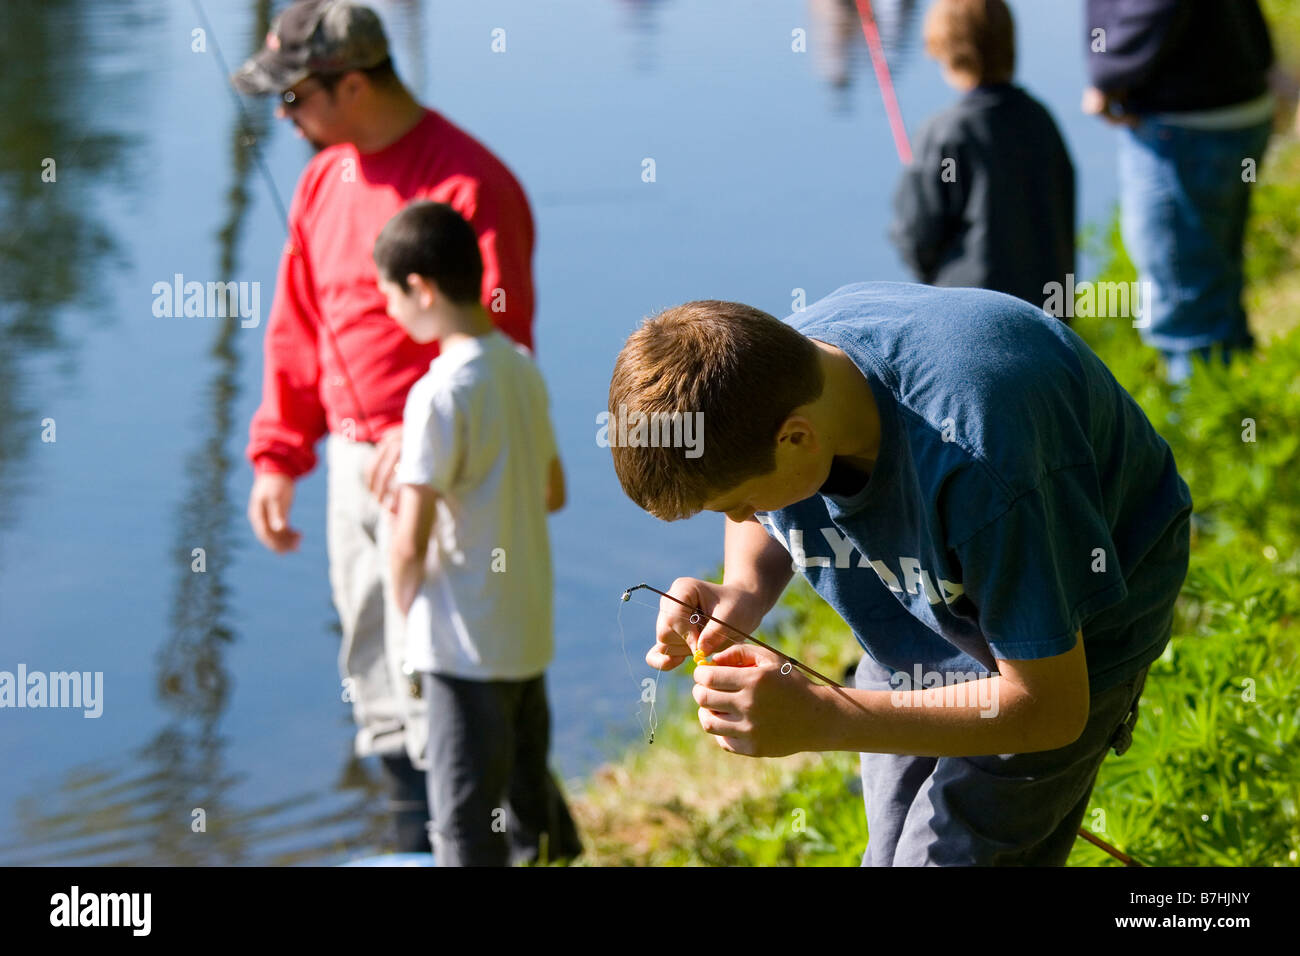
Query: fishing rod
[[876, 49], [1102, 844], [697, 614], [251, 141]]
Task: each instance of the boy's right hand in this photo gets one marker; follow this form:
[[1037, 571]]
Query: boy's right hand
[[268, 511], [675, 635]]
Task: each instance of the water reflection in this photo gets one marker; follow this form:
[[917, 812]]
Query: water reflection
[[171, 800], [896, 20], [837, 44], [642, 20], [54, 246], [134, 803], [137, 811]]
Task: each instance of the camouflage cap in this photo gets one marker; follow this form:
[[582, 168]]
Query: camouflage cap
[[314, 37]]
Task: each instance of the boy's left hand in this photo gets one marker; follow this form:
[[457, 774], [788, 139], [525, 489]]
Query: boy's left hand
[[754, 709], [382, 467]]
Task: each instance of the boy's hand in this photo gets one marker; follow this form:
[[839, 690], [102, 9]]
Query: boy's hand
[[412, 527], [675, 635], [268, 511], [752, 708], [382, 467]]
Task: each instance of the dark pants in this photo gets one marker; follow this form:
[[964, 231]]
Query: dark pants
[[408, 802], [492, 798], [995, 810]]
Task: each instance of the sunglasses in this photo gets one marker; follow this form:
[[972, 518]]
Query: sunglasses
[[292, 98]]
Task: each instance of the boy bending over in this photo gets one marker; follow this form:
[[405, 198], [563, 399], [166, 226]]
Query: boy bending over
[[965, 482]]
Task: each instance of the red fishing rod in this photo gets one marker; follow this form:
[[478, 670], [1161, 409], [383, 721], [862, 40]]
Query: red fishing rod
[[877, 51]]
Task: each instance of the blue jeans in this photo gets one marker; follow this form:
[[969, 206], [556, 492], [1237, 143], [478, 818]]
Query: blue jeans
[[1183, 209], [993, 810]]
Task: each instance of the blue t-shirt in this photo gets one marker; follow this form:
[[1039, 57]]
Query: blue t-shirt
[[1019, 495]]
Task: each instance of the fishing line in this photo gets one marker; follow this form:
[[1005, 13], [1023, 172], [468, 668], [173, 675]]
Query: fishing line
[[650, 725], [744, 637], [250, 140]]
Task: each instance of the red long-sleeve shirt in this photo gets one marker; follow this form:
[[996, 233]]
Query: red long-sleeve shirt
[[328, 278]]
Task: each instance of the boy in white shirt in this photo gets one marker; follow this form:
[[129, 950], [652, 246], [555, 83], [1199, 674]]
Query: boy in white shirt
[[471, 561]]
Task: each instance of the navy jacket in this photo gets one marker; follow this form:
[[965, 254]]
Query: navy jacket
[[1170, 56], [988, 201]]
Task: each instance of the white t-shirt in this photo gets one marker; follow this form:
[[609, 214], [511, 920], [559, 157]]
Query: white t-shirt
[[476, 429]]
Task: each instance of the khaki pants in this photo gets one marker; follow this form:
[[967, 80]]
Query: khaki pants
[[389, 718]]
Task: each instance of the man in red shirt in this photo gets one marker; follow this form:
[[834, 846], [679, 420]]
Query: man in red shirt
[[335, 362]]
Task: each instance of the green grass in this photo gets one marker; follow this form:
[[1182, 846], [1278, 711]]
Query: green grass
[[1284, 23], [1213, 776]]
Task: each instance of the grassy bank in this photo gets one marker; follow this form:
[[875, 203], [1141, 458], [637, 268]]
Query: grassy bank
[[1214, 771]]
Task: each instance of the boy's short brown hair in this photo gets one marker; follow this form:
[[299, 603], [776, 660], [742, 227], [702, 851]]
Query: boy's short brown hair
[[742, 370], [975, 37]]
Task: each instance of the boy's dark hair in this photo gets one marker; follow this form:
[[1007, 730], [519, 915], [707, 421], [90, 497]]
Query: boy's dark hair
[[977, 37], [741, 369], [432, 240]]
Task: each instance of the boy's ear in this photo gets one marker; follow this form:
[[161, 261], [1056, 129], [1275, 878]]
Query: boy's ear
[[425, 292], [797, 430]]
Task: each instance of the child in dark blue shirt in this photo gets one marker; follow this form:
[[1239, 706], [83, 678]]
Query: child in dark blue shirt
[[965, 482], [988, 201]]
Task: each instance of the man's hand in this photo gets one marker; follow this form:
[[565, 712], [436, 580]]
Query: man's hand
[[752, 708], [268, 512], [1097, 103], [676, 636], [382, 467]]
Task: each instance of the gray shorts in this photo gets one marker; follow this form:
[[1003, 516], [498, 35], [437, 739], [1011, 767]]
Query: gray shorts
[[997, 810], [492, 798]]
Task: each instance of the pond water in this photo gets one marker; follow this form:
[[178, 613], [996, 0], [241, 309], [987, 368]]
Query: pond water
[[774, 170]]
